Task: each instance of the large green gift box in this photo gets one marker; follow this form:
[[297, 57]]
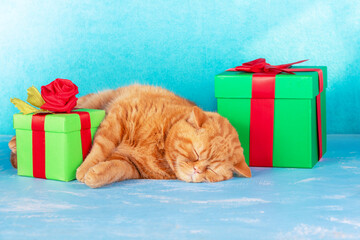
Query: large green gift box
[[298, 125], [53, 146]]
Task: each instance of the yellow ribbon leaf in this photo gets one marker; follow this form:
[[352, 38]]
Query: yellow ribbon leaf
[[34, 97], [23, 106]]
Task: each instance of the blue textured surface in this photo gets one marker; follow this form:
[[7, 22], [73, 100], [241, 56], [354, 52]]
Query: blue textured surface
[[318, 203], [178, 44]]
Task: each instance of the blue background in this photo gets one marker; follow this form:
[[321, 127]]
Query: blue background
[[179, 45]]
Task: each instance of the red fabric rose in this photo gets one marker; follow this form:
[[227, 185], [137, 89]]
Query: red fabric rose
[[59, 95]]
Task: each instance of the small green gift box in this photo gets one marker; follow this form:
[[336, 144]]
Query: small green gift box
[[280, 117], [53, 146]]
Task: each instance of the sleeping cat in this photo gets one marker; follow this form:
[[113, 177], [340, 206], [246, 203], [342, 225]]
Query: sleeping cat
[[151, 133]]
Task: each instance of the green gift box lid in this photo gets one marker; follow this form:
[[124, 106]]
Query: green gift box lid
[[299, 85], [60, 122]]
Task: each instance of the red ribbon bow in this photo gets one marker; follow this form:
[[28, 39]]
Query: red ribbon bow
[[261, 66]]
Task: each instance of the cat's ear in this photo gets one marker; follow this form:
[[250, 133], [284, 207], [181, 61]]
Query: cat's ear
[[197, 117], [242, 169]]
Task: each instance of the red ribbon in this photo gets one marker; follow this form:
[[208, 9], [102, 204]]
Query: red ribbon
[[38, 147], [85, 132], [262, 119], [262, 107], [38, 139]]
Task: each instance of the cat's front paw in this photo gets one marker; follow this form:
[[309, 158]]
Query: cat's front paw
[[94, 178], [81, 172], [84, 168]]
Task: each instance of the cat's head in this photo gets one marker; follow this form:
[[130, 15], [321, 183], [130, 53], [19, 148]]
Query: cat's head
[[204, 147]]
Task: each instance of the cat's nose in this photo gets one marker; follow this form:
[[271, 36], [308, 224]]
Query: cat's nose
[[196, 170]]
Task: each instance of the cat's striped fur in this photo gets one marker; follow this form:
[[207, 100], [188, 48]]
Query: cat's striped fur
[[150, 132]]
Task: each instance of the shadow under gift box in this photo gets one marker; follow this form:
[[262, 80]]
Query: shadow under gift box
[[63, 143], [295, 131]]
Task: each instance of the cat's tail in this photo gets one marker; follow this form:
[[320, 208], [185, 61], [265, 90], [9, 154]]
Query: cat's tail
[[13, 156], [98, 100]]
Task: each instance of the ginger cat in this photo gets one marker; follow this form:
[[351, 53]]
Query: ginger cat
[[151, 133]]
